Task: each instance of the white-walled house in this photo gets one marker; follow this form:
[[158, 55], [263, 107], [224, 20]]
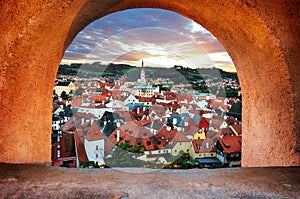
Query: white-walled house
[[94, 144], [130, 99]]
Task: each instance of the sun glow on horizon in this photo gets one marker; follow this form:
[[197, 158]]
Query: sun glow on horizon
[[161, 38]]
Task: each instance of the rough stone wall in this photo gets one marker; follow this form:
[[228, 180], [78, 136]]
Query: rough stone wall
[[260, 36]]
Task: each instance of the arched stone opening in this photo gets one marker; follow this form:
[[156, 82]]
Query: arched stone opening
[[261, 38]]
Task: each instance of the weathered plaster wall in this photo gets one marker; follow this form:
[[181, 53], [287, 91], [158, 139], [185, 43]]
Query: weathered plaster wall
[[260, 36]]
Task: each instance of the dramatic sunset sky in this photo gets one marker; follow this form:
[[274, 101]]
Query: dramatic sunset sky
[[161, 38]]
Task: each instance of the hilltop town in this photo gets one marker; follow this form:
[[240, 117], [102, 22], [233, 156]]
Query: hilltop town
[[152, 121]]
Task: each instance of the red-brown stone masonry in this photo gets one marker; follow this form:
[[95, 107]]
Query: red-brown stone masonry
[[262, 38]]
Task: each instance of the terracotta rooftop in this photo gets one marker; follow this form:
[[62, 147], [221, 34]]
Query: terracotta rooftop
[[204, 146], [134, 133], [94, 133], [80, 151], [179, 137], [231, 144]]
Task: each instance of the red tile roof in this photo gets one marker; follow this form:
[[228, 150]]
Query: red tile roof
[[158, 109], [231, 144], [203, 123], [191, 130], [134, 133], [145, 99], [98, 98], [165, 135], [170, 95], [227, 132], [237, 128], [69, 125], [231, 120], [204, 146], [179, 137], [81, 155], [216, 123], [94, 133]]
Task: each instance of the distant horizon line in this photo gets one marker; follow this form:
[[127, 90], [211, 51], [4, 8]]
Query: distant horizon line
[[208, 67]]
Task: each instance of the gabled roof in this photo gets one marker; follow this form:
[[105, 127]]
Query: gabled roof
[[80, 151], [155, 124], [197, 118], [69, 125], [166, 135], [134, 133], [179, 137], [227, 132], [191, 129], [158, 109], [94, 133], [231, 144], [204, 146], [203, 123], [231, 121], [237, 128], [169, 95], [216, 123], [98, 98], [62, 83]]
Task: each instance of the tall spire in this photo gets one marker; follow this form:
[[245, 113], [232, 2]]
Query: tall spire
[[142, 74]]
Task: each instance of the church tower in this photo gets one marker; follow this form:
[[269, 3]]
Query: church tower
[[142, 74]]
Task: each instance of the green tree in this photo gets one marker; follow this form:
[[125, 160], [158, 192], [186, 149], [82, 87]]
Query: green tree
[[79, 91], [64, 95], [183, 161], [123, 156]]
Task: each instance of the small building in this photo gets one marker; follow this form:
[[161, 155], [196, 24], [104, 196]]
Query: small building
[[205, 152], [180, 143], [203, 148], [200, 134], [68, 87], [229, 150], [94, 144]]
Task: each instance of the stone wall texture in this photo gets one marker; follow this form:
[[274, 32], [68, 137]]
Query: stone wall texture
[[262, 38]]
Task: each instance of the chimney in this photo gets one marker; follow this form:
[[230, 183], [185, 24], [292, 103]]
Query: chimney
[[186, 123], [118, 124], [82, 120], [168, 128], [206, 145], [105, 122], [92, 120], [118, 135], [174, 121], [138, 110], [144, 108]]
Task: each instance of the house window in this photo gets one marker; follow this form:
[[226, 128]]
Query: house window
[[211, 154], [96, 155], [187, 150], [204, 155], [96, 147], [175, 151]]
